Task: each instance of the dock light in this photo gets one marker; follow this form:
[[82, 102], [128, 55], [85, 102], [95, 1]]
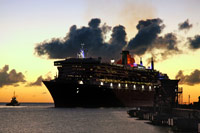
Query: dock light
[[80, 82], [119, 85], [101, 83]]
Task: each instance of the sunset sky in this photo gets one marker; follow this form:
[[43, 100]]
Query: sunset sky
[[28, 50]]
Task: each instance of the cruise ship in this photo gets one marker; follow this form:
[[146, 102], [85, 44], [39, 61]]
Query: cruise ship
[[89, 82]]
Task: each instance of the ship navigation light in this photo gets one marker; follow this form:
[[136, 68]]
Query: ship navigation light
[[112, 61], [81, 54], [101, 83], [80, 82]]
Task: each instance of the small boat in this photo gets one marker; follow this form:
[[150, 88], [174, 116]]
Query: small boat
[[13, 101]]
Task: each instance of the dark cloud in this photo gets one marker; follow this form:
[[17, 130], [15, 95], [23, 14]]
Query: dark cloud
[[38, 82], [147, 39], [93, 38], [105, 30], [192, 79], [194, 43], [10, 78], [147, 33], [185, 25], [94, 23], [169, 42]]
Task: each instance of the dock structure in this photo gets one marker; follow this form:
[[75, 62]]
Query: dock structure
[[182, 118], [168, 112]]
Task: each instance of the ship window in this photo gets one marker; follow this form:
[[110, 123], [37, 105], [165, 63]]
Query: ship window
[[126, 85], [150, 88], [142, 87], [77, 90], [134, 87], [101, 83], [80, 82], [111, 85], [119, 85]]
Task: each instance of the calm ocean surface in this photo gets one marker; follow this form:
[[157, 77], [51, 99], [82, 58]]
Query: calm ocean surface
[[44, 118]]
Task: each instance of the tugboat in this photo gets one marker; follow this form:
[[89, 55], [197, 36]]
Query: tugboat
[[13, 101]]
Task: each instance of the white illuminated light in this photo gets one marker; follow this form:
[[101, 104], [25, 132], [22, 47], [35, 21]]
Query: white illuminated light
[[111, 84], [119, 85], [149, 88], [112, 61], [77, 90], [142, 87], [126, 85], [81, 82], [101, 83], [134, 86]]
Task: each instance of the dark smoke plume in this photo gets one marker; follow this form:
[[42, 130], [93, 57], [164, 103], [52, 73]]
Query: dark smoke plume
[[38, 82], [185, 25], [194, 43], [147, 39], [93, 38], [192, 79], [147, 33], [10, 78], [168, 42]]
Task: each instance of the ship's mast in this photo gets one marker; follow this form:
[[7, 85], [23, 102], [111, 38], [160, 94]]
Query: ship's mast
[[81, 53]]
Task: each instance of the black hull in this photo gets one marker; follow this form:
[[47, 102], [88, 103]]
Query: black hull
[[82, 95], [12, 104]]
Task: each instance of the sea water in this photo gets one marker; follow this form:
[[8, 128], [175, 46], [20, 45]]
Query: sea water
[[44, 118]]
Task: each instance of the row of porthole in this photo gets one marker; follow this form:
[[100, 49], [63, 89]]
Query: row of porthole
[[126, 86], [119, 85]]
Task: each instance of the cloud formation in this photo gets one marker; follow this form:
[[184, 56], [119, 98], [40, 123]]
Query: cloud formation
[[147, 39], [10, 78], [185, 25], [93, 36], [38, 81], [147, 33], [192, 79], [194, 43]]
